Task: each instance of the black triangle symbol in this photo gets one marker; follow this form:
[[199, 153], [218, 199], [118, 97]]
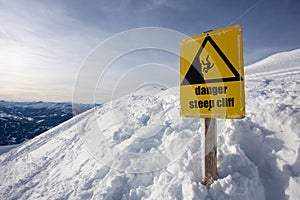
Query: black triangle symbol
[[195, 74]]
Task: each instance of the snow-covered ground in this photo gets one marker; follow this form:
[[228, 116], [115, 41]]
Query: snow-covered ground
[[138, 147]]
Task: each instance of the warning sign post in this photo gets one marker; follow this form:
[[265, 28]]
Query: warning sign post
[[212, 75], [212, 86]]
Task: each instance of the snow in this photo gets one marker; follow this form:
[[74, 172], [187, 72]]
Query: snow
[[138, 147]]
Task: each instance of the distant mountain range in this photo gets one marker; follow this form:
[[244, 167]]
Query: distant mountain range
[[20, 121]]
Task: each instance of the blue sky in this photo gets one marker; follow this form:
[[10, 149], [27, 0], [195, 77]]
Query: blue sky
[[43, 43]]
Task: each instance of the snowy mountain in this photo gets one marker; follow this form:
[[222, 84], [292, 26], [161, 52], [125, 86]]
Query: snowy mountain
[[138, 147], [20, 121]]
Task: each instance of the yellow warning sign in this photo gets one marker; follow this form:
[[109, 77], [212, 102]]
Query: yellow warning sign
[[212, 74]]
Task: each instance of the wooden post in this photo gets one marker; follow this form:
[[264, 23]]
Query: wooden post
[[209, 151]]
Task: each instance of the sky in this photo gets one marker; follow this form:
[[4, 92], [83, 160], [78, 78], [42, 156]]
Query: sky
[[45, 43]]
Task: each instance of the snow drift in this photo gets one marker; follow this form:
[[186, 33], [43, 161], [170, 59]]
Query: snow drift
[[138, 147]]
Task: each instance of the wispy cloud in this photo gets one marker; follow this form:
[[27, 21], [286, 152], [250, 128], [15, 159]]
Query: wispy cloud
[[40, 49]]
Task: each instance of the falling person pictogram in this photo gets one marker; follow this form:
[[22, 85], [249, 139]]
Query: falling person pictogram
[[208, 64]]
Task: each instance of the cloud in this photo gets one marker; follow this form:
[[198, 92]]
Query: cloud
[[45, 43], [113, 59], [41, 47]]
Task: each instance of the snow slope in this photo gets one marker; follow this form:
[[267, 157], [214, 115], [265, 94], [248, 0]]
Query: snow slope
[[137, 147]]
